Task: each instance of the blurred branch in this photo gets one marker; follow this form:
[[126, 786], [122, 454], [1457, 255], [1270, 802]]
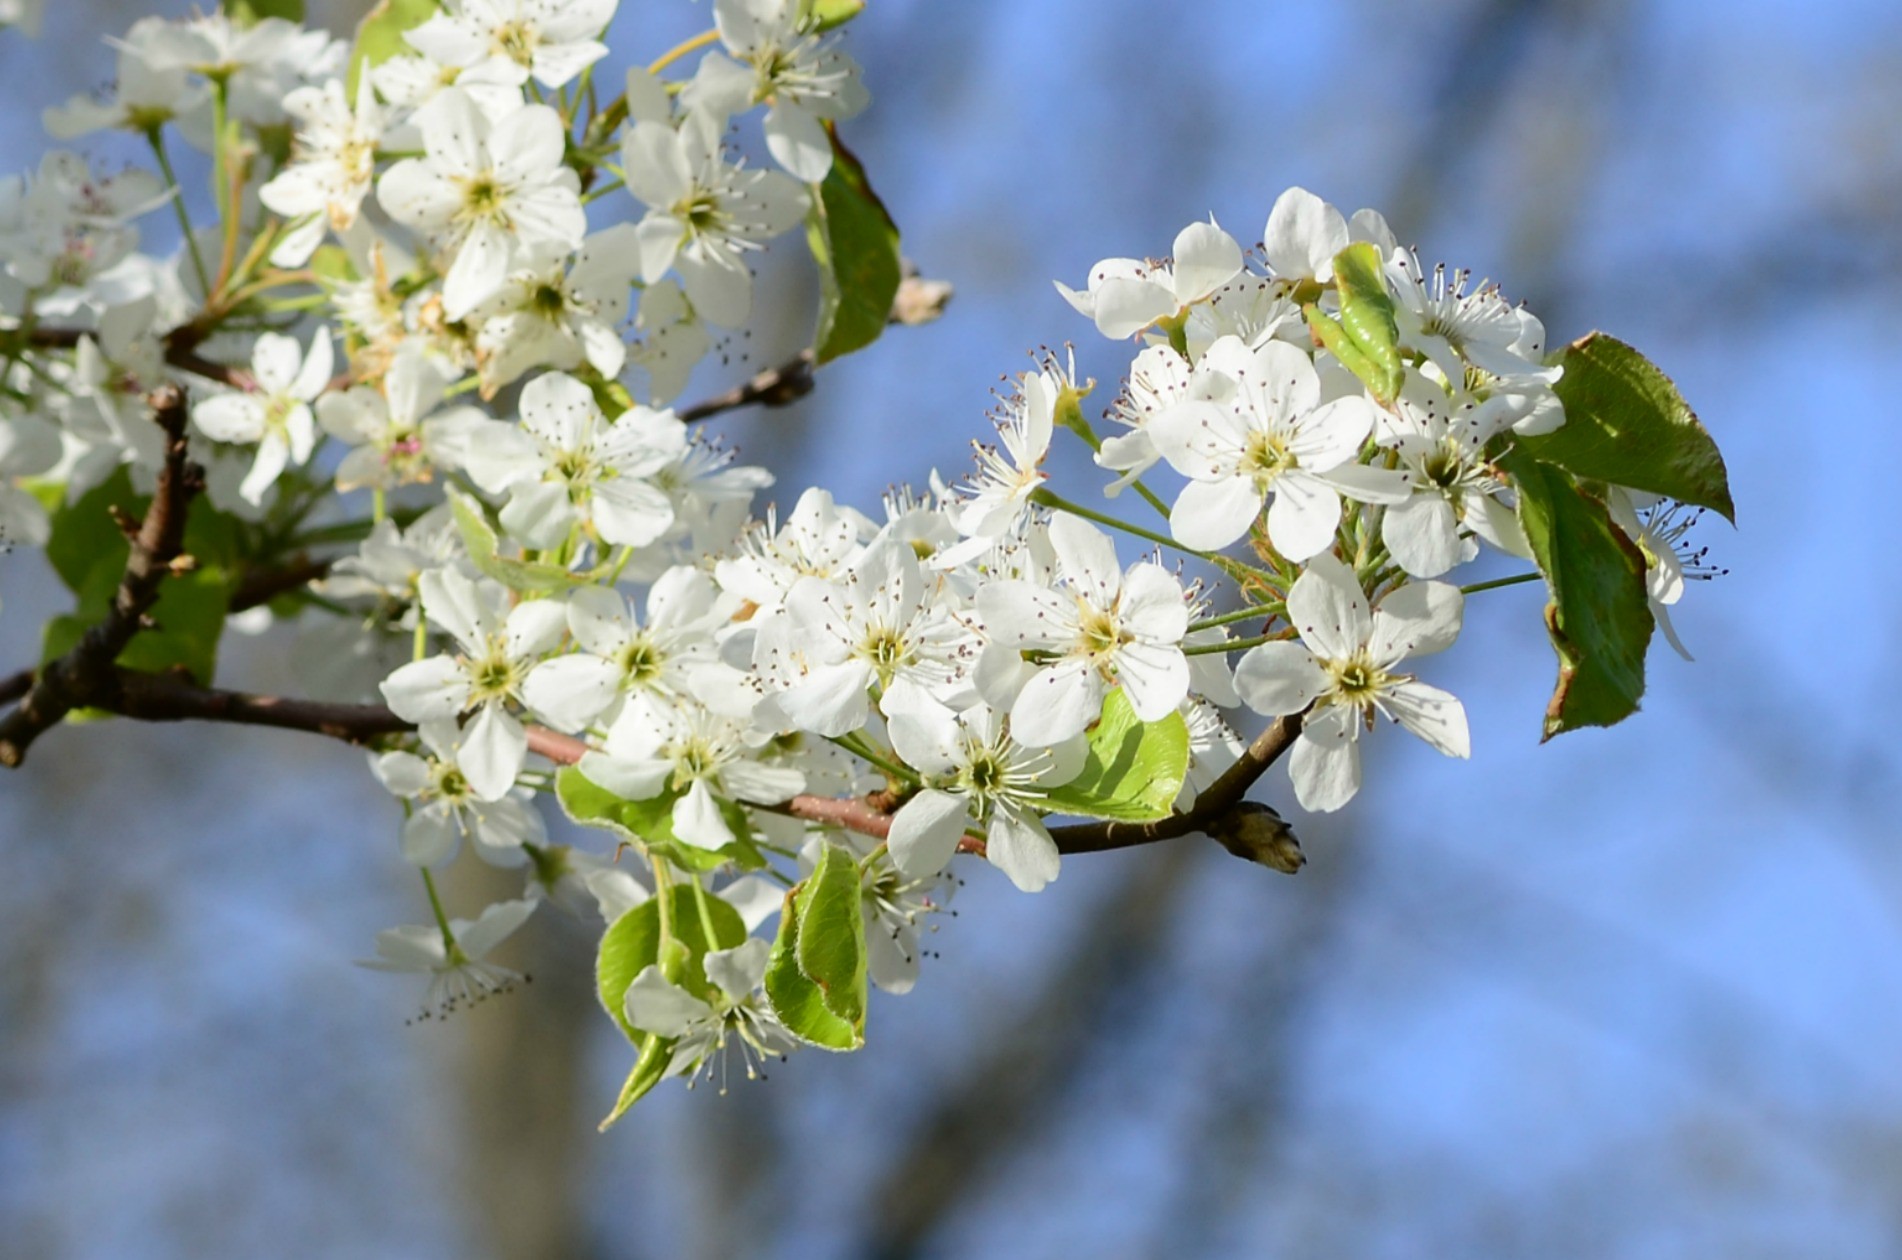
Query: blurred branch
[[1010, 1086], [85, 676], [1219, 811], [919, 301], [261, 586]]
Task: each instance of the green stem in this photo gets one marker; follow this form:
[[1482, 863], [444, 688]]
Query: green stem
[[442, 919], [1049, 500], [1240, 614], [155, 137], [220, 108], [706, 912], [1233, 645], [596, 194], [1497, 583], [664, 894], [855, 744]]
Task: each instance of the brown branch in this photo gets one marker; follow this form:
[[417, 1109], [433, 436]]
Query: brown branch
[[181, 351], [261, 586], [918, 301], [85, 676], [1210, 809], [13, 686], [173, 698], [775, 387]]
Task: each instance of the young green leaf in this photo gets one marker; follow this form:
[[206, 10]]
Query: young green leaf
[[855, 243], [1134, 769], [650, 1068], [633, 943], [1626, 423], [527, 576], [251, 12], [380, 35], [823, 15], [1599, 618], [651, 822], [1367, 321], [798, 1002], [832, 936]]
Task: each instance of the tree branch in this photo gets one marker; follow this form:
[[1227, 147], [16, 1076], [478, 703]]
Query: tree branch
[[261, 586], [1220, 811], [1211, 807], [85, 676], [918, 301], [775, 387]]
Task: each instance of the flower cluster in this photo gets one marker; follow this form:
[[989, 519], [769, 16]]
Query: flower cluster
[[445, 273]]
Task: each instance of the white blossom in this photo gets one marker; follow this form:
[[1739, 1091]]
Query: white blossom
[[486, 193], [704, 214], [1104, 626], [277, 414], [498, 646], [978, 776], [1257, 429], [1344, 666]]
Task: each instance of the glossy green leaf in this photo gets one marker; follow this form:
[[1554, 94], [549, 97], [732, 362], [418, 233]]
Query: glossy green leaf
[[632, 944], [251, 12], [380, 35], [832, 936], [1626, 423], [1598, 618], [530, 577], [651, 822], [855, 243], [1134, 770], [795, 998]]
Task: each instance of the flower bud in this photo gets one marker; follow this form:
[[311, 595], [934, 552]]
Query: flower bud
[[1255, 833]]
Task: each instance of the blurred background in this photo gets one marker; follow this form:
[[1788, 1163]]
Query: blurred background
[[1636, 993]]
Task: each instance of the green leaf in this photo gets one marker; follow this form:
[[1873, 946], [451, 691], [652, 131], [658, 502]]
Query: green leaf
[[1134, 770], [651, 823], [1599, 618], [88, 552], [251, 12], [1626, 423], [648, 1071], [855, 243], [823, 15], [333, 263], [530, 577], [380, 35], [799, 1003], [632, 944], [85, 536], [832, 936], [1366, 322]]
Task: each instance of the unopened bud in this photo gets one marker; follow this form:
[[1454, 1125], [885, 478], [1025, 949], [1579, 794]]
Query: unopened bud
[[920, 301], [1255, 833]]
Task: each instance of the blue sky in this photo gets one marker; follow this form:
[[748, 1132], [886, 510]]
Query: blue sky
[[1632, 993]]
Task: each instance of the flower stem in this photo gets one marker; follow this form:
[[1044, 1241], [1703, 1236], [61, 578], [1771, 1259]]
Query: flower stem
[[855, 744], [1497, 583], [442, 919], [1233, 645], [156, 138], [1240, 614], [680, 50], [706, 912]]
